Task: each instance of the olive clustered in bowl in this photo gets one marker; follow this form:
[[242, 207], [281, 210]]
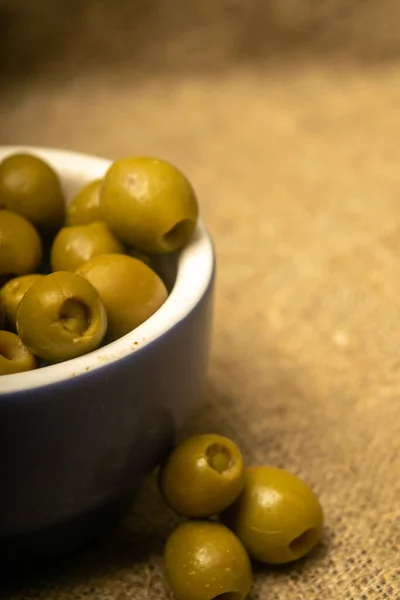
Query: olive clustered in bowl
[[75, 276], [233, 515]]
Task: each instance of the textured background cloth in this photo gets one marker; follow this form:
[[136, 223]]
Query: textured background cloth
[[286, 116]]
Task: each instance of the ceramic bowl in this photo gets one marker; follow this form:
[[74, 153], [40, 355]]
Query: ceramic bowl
[[77, 438]]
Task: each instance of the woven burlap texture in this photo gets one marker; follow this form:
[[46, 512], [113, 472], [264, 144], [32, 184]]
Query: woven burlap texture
[[286, 117]]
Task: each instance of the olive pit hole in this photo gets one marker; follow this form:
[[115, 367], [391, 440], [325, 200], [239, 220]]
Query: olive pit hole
[[74, 316], [304, 542], [178, 232], [220, 459], [228, 596]]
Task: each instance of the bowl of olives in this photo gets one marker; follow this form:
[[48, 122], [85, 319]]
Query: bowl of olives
[[106, 293]]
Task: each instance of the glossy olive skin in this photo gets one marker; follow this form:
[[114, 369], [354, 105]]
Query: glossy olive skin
[[202, 476], [61, 317], [149, 204], [12, 293], [31, 187], [14, 356], [84, 208], [130, 291], [20, 245], [73, 246], [278, 517], [204, 560]]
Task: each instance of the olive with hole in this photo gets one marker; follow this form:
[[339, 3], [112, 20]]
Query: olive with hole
[[12, 293], [277, 516], [61, 317], [202, 476], [75, 245], [84, 207], [31, 187], [149, 204], [14, 355], [204, 560], [20, 245], [130, 291]]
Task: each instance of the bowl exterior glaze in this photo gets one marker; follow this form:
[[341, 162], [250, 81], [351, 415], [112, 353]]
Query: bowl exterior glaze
[[75, 451]]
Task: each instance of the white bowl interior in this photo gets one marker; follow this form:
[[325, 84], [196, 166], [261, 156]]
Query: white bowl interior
[[194, 272]]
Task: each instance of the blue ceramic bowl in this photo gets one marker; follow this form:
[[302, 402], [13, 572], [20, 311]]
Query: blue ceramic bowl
[[77, 438]]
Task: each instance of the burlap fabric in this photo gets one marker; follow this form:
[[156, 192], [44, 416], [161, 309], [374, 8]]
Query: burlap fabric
[[286, 116]]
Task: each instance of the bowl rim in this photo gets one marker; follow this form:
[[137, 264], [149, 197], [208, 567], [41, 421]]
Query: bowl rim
[[195, 270]]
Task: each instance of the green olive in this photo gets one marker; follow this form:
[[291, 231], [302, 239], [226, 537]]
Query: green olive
[[130, 290], [75, 245], [149, 204], [61, 317], [206, 561], [20, 245], [31, 187], [14, 356], [12, 293], [278, 517], [202, 476], [84, 208]]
